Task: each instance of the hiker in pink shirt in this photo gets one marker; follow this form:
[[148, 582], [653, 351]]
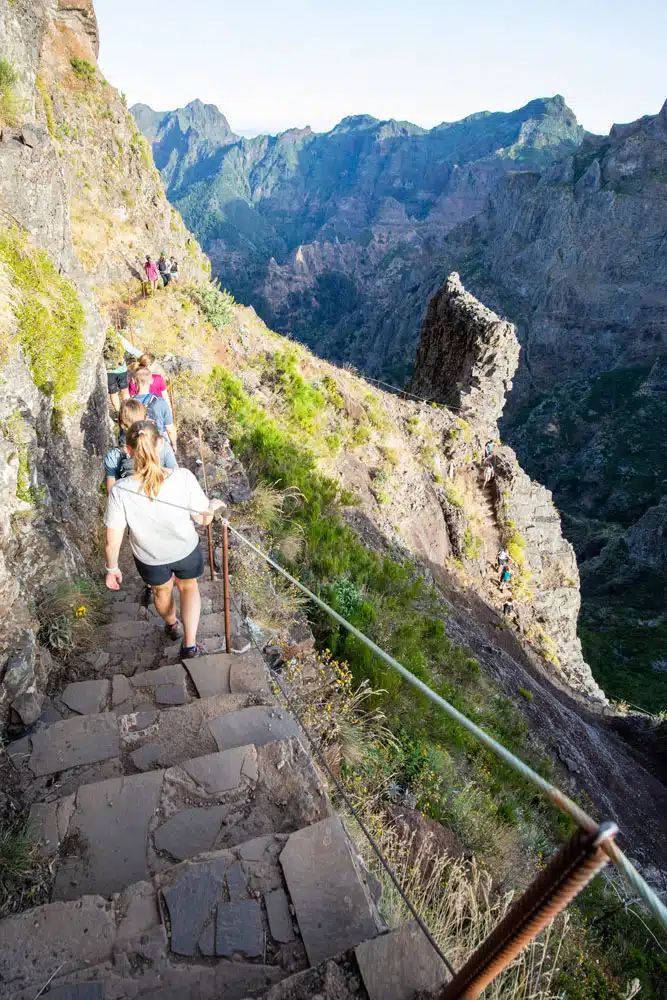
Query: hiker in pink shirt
[[150, 267], [158, 385]]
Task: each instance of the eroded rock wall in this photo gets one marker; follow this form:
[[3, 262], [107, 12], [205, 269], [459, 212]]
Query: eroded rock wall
[[76, 182], [467, 355], [466, 359]]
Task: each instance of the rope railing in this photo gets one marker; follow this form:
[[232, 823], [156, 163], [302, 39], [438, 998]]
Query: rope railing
[[554, 794], [404, 392]]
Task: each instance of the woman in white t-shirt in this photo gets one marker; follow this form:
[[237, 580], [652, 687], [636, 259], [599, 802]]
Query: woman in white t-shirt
[[163, 539]]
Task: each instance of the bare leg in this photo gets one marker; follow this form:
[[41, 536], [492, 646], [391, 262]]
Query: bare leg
[[190, 609], [165, 604], [114, 399], [124, 394]]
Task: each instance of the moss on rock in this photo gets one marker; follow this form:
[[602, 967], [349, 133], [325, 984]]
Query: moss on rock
[[50, 318]]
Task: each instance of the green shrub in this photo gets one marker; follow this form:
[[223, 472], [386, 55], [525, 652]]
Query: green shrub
[[360, 435], [47, 104], [333, 392], [49, 316], [526, 693], [304, 401], [453, 495], [472, 544], [83, 69], [215, 303], [10, 105]]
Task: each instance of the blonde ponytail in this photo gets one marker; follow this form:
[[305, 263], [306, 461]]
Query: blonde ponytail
[[143, 439]]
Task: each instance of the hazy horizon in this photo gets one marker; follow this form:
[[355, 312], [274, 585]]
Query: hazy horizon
[[270, 68]]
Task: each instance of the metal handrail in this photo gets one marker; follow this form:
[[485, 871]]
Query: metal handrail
[[554, 794]]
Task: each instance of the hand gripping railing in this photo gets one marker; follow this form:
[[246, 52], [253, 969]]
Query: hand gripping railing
[[562, 801]]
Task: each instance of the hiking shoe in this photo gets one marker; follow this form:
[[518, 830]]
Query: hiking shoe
[[174, 631], [189, 652]]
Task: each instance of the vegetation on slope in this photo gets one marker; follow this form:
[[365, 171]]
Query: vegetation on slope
[[49, 316], [429, 761], [599, 442]]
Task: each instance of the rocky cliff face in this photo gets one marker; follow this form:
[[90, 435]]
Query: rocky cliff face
[[372, 195], [467, 356], [466, 359], [69, 238], [561, 233]]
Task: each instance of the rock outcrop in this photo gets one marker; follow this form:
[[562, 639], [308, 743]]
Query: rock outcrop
[[466, 359], [467, 355]]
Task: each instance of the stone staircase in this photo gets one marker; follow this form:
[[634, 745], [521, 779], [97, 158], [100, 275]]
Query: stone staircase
[[193, 849]]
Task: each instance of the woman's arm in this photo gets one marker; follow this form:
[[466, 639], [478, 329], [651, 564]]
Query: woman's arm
[[113, 542]]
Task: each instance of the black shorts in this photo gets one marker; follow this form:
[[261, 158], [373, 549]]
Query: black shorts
[[189, 568], [117, 381]]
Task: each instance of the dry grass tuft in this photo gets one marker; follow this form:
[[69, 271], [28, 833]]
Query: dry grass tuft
[[25, 874], [70, 616]]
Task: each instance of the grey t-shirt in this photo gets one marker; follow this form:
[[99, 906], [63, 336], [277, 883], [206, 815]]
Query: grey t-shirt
[[159, 534]]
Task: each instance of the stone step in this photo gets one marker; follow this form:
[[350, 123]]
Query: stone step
[[157, 937], [333, 904], [89, 748], [126, 829], [400, 964], [172, 684]]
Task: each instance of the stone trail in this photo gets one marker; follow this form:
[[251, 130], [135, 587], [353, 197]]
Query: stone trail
[[193, 848]]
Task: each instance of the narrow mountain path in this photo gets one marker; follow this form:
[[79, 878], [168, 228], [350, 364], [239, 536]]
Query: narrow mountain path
[[193, 850]]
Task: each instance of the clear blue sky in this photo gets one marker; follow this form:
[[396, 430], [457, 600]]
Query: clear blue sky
[[273, 64]]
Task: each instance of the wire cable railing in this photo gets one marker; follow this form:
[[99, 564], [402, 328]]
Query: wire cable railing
[[554, 794], [568, 871]]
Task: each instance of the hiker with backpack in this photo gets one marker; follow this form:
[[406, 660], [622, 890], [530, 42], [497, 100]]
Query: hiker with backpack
[[164, 267], [174, 269], [118, 464], [157, 409], [505, 575], [159, 506], [152, 273], [114, 351], [158, 385]]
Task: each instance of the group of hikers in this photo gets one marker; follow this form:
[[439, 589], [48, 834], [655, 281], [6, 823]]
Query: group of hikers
[[148, 495], [165, 269]]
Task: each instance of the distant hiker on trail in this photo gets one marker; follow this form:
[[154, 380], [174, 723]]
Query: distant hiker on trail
[[508, 607], [152, 273], [114, 351], [488, 449], [164, 267], [489, 473], [158, 385], [157, 409], [503, 557], [505, 576], [174, 269], [117, 462], [162, 537]]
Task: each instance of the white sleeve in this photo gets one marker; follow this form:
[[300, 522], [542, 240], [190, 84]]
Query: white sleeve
[[114, 516], [197, 499]]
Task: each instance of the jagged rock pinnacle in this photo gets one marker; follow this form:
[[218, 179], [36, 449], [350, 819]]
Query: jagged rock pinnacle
[[467, 354]]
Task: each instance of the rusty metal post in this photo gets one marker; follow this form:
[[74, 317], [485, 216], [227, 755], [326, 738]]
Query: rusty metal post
[[225, 585], [170, 393], [209, 528], [569, 871]]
